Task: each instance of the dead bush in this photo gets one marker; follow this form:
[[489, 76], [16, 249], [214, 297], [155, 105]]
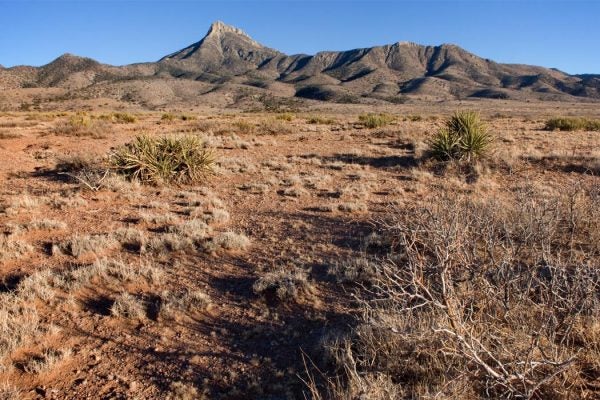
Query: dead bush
[[480, 299]]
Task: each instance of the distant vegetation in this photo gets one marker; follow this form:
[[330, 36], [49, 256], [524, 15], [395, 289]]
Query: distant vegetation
[[375, 120], [183, 117], [285, 117], [320, 120], [119, 118], [182, 159], [572, 124], [82, 125]]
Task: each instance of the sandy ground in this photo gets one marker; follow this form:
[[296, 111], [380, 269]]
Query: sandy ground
[[306, 195]]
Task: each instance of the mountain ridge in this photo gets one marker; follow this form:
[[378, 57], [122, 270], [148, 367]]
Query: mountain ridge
[[227, 56]]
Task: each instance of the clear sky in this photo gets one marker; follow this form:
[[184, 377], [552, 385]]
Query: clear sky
[[551, 33]]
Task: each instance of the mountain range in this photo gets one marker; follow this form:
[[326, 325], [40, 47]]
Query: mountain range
[[229, 63]]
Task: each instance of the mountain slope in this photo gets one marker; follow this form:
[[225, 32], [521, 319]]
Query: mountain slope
[[227, 55]]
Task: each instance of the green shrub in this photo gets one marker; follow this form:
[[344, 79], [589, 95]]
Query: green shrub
[[119, 118], [414, 118], [572, 124], [168, 117], [187, 117], [285, 117], [81, 125], [244, 127], [464, 136], [81, 119], [320, 120], [375, 120], [183, 159]]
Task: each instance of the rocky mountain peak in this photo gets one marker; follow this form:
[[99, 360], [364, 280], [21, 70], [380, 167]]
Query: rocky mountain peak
[[219, 27]]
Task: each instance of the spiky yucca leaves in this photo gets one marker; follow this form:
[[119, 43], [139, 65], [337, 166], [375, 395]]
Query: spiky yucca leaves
[[465, 137], [445, 145], [180, 159]]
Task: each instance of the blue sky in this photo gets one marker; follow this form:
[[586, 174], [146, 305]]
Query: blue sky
[[551, 33]]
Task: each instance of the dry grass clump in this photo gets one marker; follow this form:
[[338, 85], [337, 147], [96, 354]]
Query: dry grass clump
[[169, 117], [128, 306], [254, 188], [170, 242], [285, 117], [9, 392], [119, 118], [11, 248], [173, 303], [375, 120], [45, 224], [194, 229], [158, 219], [22, 202], [131, 239], [37, 286], [9, 135], [45, 361], [184, 391], [88, 172], [228, 241], [413, 118], [284, 284], [464, 137], [352, 207], [355, 270], [189, 235], [480, 299], [127, 272], [215, 216], [110, 270], [119, 184], [320, 120], [183, 159], [244, 127], [273, 126], [19, 321], [80, 245], [66, 202], [572, 124], [293, 192], [82, 125]]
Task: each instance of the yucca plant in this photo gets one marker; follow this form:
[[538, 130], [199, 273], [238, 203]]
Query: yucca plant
[[464, 137], [179, 159], [445, 145]]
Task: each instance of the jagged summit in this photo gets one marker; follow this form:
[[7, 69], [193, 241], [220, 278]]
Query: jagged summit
[[225, 50], [219, 27]]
